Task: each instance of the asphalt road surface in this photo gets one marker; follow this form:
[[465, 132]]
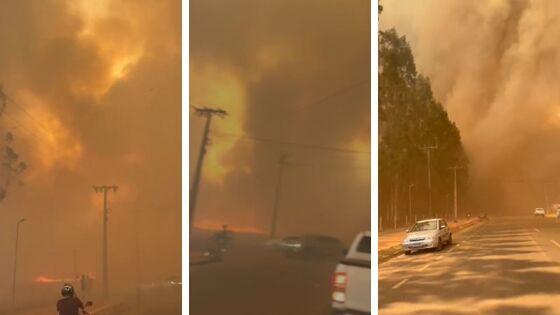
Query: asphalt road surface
[[507, 266], [258, 280]]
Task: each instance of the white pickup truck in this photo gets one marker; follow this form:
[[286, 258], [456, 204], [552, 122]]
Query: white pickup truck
[[351, 280]]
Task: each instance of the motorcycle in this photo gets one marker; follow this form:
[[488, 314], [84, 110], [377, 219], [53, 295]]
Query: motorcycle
[[222, 241]]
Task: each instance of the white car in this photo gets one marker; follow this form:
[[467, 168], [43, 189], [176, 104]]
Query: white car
[[426, 234], [539, 212], [351, 280]]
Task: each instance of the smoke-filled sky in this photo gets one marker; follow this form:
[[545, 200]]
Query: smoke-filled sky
[[288, 71], [95, 99], [495, 66]]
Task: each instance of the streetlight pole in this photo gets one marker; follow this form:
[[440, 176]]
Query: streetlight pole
[[15, 264], [429, 158], [410, 201], [455, 168]]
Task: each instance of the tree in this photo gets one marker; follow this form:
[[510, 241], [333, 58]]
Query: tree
[[409, 118], [12, 167]]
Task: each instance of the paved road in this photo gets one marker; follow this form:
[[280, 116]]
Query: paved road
[[256, 280], [506, 266]]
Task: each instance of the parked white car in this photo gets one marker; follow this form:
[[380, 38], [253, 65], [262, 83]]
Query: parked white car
[[539, 212], [351, 280], [426, 234]]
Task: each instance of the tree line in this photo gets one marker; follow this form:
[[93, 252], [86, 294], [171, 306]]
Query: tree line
[[413, 124]]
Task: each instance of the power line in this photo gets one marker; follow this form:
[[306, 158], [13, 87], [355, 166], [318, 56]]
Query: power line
[[328, 166], [27, 135], [306, 145], [337, 92], [41, 126], [340, 91]]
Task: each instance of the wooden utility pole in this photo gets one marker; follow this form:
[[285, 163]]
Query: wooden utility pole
[[273, 224], [105, 259], [206, 113]]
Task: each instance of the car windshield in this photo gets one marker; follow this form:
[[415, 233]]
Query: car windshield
[[424, 226], [365, 245]]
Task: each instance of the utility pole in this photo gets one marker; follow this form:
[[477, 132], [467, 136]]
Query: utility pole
[[105, 190], [273, 224], [455, 168], [206, 113], [396, 201], [15, 265], [428, 153], [410, 186], [137, 254], [546, 204], [74, 258]]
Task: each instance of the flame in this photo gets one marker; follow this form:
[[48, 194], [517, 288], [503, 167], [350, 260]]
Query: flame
[[44, 279]]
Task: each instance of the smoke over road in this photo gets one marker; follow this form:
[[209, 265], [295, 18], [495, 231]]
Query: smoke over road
[[495, 66]]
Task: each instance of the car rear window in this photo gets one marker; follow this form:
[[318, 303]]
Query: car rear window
[[365, 245]]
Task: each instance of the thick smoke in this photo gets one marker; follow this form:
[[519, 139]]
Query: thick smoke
[[99, 84], [269, 64], [495, 67]]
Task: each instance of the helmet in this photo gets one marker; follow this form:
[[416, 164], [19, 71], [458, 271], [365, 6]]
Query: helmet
[[67, 290]]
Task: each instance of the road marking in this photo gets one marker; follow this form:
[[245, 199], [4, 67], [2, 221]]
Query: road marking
[[536, 229], [555, 243], [396, 286], [424, 268]]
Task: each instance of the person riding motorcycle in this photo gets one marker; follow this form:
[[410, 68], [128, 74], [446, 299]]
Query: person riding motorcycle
[[69, 304], [223, 238]]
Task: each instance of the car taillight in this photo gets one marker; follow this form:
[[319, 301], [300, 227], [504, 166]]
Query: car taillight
[[339, 281]]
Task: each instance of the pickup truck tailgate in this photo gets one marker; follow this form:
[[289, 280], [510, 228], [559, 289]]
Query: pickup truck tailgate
[[358, 287]]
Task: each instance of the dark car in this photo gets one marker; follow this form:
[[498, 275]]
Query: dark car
[[313, 246], [483, 216]]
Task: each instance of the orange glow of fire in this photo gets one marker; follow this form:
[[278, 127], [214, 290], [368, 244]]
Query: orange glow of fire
[[53, 141], [210, 225], [121, 49], [44, 279], [214, 86]]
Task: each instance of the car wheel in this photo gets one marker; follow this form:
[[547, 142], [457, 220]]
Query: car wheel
[[439, 245], [407, 252], [450, 241]]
